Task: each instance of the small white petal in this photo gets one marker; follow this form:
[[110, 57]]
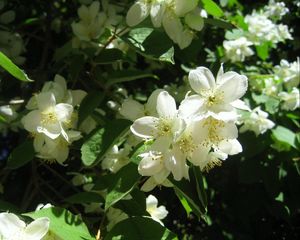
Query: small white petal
[[201, 79], [63, 112], [37, 229], [176, 163], [232, 85], [190, 106], [157, 13], [183, 7], [137, 13], [150, 165], [151, 104], [145, 127], [10, 224], [166, 105], [131, 109], [45, 100], [230, 147]]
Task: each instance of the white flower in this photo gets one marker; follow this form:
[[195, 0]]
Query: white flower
[[215, 98], [167, 124], [289, 73], [257, 122], [12, 228], [54, 149], [275, 9], [216, 135], [90, 25], [141, 9], [236, 50], [133, 110], [116, 158], [156, 213], [291, 100], [49, 118], [169, 14]]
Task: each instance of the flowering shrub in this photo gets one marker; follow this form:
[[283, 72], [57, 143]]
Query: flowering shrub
[[149, 119]]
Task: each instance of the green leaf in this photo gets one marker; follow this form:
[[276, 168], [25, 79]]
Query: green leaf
[[135, 206], [101, 140], [88, 104], [140, 148], [85, 197], [13, 69], [137, 228], [151, 43], [212, 8], [109, 56], [63, 223], [263, 50], [21, 155], [219, 23], [234, 34], [284, 135], [127, 75], [193, 192], [184, 203], [123, 183]]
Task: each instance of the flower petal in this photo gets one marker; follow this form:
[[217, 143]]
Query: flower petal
[[230, 147], [183, 7], [150, 106], [45, 100], [145, 127], [157, 13], [132, 109], [166, 105], [10, 224], [137, 13], [150, 165], [190, 106], [63, 112], [201, 79], [31, 121], [37, 229], [232, 85], [176, 163], [173, 27]]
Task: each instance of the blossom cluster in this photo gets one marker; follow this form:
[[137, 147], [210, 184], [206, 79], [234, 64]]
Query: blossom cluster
[[52, 119], [261, 28], [202, 131], [180, 19], [93, 22]]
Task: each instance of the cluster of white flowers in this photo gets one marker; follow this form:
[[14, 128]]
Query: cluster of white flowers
[[180, 19], [52, 119], [256, 122], [275, 10], [202, 130], [237, 50], [262, 27], [289, 73], [93, 22], [13, 228]]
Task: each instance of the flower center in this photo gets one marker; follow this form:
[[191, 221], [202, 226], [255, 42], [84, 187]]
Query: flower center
[[186, 144], [164, 127], [213, 126], [49, 116]]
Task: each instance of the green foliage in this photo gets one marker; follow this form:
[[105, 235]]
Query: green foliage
[[121, 184], [63, 223], [136, 228], [14, 70], [21, 155], [100, 141], [151, 43], [212, 8]]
